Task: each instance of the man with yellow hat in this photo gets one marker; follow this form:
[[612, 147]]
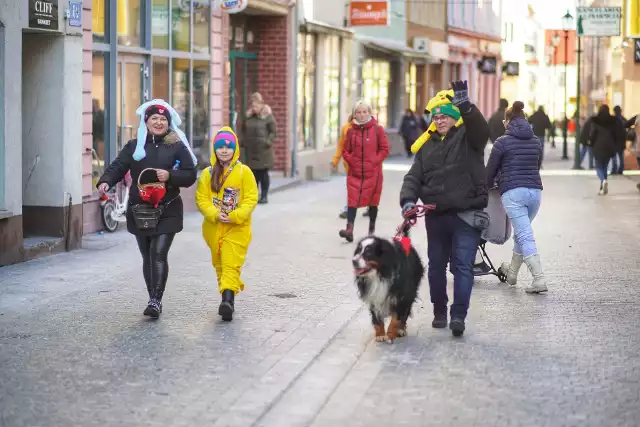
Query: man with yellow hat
[[448, 172]]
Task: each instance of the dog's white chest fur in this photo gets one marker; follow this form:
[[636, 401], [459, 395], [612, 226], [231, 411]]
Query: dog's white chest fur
[[378, 295]]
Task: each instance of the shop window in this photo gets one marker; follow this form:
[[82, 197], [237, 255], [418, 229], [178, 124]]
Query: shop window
[[201, 27], [129, 25], [306, 89], [332, 89], [160, 88], [160, 24], [376, 75], [180, 25], [98, 20], [412, 89], [99, 132], [180, 91], [200, 105]]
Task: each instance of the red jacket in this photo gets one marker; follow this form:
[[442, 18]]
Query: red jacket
[[365, 148]]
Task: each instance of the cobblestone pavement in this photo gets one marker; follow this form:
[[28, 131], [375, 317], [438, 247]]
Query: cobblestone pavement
[[76, 351]]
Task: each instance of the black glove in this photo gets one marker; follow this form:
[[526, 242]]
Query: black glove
[[460, 95], [406, 208]]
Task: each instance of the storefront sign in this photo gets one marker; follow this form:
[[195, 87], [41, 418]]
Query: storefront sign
[[636, 51], [488, 65], [599, 21], [75, 13], [231, 6], [369, 13], [43, 14]]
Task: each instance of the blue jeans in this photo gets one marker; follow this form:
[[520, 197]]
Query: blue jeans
[[601, 169], [450, 237], [617, 162], [522, 205], [583, 152]]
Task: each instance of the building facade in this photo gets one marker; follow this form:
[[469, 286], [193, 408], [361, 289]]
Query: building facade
[[40, 140], [474, 35]]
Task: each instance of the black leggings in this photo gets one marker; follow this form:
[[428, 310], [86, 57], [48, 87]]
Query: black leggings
[[262, 179], [155, 267], [373, 214]]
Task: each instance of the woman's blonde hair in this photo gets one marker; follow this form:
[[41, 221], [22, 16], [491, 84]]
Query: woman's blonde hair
[[256, 97], [362, 103]]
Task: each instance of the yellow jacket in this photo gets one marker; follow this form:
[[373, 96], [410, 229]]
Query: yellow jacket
[[228, 241], [338, 154]]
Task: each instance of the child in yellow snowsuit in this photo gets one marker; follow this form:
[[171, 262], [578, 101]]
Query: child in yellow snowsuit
[[227, 195]]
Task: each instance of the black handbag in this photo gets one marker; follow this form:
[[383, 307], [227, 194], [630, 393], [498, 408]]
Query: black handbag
[[146, 216]]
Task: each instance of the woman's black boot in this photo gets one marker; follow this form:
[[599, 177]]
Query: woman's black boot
[[154, 308], [226, 306]]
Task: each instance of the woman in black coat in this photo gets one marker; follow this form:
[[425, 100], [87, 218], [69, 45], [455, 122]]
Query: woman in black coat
[[162, 147], [605, 135]]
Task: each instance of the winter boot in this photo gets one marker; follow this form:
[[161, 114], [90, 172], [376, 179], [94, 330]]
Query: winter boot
[[511, 269], [343, 214], [439, 318], [347, 233], [263, 200], [154, 308], [372, 228], [227, 305], [539, 283], [457, 327]]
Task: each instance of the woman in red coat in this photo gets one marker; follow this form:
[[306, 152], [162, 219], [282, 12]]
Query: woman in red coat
[[365, 148]]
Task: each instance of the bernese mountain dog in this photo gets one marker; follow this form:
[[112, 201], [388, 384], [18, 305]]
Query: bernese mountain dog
[[388, 274]]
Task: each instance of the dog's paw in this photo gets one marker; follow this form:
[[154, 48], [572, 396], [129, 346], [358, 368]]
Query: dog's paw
[[402, 332], [381, 338]]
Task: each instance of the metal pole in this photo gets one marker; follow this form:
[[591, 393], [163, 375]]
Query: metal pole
[[566, 117], [294, 82], [576, 148]]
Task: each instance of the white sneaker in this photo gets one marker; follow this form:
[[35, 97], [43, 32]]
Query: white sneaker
[[605, 187]]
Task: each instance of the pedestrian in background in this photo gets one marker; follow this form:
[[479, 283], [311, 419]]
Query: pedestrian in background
[[617, 161], [515, 162], [496, 128], [448, 171], [605, 134], [409, 130], [365, 148], [541, 124], [154, 215], [226, 196], [338, 155], [259, 134]]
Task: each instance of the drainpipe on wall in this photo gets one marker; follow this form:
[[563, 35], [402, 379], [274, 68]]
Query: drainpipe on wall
[[294, 80]]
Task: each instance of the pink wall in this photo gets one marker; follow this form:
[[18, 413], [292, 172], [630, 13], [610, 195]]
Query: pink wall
[[87, 139]]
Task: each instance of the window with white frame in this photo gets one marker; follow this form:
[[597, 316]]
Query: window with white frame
[[332, 89], [306, 88], [376, 75]]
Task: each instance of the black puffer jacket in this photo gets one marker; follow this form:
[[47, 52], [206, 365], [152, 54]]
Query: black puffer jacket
[[606, 135], [449, 172], [162, 153]]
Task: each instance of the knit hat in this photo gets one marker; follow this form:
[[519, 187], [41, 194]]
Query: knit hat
[[174, 122], [448, 110], [441, 102], [225, 139], [157, 109]]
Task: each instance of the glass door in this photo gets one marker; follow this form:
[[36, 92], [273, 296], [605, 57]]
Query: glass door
[[132, 82]]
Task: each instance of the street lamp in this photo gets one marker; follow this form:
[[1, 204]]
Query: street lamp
[[555, 42], [567, 24]]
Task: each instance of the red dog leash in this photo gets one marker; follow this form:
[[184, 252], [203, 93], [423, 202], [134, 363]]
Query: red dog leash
[[410, 219]]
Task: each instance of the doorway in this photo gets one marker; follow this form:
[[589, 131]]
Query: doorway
[[132, 89], [244, 82]]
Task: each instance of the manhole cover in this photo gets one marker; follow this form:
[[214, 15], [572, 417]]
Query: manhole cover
[[284, 295]]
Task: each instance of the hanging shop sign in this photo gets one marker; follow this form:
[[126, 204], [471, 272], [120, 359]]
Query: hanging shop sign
[[369, 13], [511, 68], [488, 64], [43, 14], [599, 21], [231, 6], [636, 51], [75, 13]]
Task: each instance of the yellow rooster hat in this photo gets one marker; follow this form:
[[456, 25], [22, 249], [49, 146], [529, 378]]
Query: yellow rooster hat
[[439, 100]]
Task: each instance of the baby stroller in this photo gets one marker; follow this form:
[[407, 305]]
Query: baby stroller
[[498, 232]]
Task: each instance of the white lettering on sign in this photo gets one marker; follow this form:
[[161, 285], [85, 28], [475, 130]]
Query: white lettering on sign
[[46, 22], [44, 7], [376, 15]]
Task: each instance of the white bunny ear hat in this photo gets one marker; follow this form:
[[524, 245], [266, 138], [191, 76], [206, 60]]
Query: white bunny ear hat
[[139, 153]]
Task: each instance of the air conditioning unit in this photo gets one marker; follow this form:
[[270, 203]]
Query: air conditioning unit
[[421, 44]]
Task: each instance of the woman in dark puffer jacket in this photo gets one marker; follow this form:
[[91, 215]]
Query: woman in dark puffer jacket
[[606, 136], [515, 161]]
